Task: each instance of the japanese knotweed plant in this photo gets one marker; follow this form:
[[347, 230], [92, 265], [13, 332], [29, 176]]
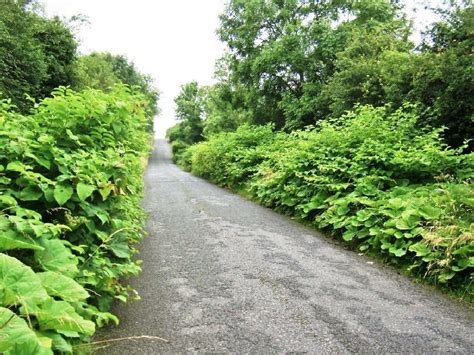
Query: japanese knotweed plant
[[372, 177], [70, 188]]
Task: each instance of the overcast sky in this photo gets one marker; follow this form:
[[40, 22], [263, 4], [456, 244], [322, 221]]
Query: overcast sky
[[172, 40]]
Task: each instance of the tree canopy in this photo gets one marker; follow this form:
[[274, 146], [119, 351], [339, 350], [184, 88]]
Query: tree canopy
[[296, 62], [36, 54], [39, 54]]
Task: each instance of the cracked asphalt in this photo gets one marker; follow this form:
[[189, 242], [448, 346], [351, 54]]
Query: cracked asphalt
[[222, 274]]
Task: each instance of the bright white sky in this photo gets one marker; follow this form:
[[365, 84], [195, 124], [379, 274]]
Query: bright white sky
[[172, 40]]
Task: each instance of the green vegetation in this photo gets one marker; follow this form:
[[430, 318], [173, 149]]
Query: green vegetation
[[294, 63], [370, 177], [70, 188], [71, 168], [189, 110], [39, 54], [103, 70], [36, 54], [328, 112]]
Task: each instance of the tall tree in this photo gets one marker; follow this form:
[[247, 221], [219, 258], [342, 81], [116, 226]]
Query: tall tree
[[103, 70], [444, 78], [94, 71], [284, 52], [189, 111], [36, 54], [59, 48]]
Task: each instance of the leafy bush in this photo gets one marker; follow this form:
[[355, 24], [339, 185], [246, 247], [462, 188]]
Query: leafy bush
[[231, 158], [103, 70], [371, 177], [178, 148], [70, 187]]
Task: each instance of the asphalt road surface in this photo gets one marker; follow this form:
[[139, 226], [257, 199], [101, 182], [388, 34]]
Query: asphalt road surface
[[223, 274]]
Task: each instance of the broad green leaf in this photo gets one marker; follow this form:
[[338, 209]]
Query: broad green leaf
[[48, 193], [30, 193], [29, 348], [93, 210], [58, 341], [375, 231], [463, 264], [28, 214], [469, 201], [370, 222], [103, 318], [10, 240], [4, 223], [420, 248], [16, 337], [364, 215], [62, 286], [316, 202], [396, 203], [120, 250], [105, 191], [61, 316], [84, 190], [102, 215], [62, 194], [398, 252], [40, 229], [390, 231], [446, 276], [57, 257], [40, 160], [121, 298], [7, 200], [362, 233], [69, 333], [45, 342], [4, 180], [289, 201], [74, 137], [342, 210], [429, 212], [465, 250], [17, 166], [18, 283], [385, 244], [117, 127], [407, 222], [348, 235]]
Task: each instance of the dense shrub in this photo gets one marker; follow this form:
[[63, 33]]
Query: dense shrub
[[371, 177], [231, 158], [103, 70], [70, 186], [178, 148]]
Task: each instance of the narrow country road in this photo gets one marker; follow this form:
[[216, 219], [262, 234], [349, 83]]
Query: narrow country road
[[222, 274]]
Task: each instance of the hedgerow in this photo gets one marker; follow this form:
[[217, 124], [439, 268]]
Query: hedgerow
[[371, 177], [70, 188]]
